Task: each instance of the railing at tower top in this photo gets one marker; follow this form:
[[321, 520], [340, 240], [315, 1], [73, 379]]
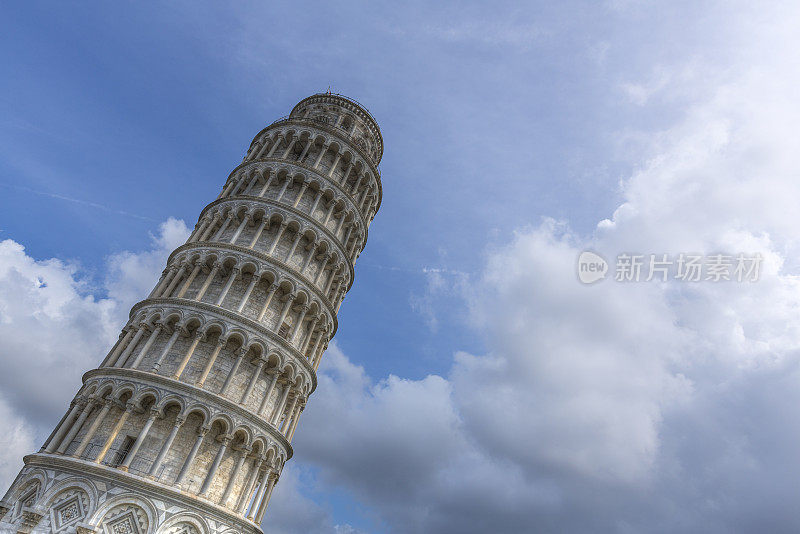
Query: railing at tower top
[[349, 99], [321, 119]]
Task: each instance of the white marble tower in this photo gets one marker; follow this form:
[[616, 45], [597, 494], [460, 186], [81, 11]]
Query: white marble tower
[[187, 423]]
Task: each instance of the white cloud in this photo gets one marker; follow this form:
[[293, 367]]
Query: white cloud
[[131, 274], [52, 327], [16, 440], [613, 408], [291, 511]]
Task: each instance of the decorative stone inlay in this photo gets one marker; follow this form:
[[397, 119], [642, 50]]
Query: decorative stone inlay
[[124, 526], [125, 519], [69, 512], [70, 507]]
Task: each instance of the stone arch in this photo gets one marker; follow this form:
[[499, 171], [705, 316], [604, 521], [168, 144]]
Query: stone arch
[[104, 389], [239, 336], [271, 453], [126, 514], [224, 421], [69, 502], [243, 435], [286, 285], [170, 401], [302, 296], [270, 275], [247, 265], [150, 318], [290, 370], [257, 347], [259, 445], [201, 410], [193, 322], [184, 523], [88, 389], [122, 390], [27, 493], [141, 398], [275, 359], [171, 318], [214, 326]]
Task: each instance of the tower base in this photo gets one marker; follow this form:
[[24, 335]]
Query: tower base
[[54, 494]]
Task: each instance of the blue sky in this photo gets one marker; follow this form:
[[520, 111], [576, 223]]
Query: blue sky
[[511, 131], [491, 121]]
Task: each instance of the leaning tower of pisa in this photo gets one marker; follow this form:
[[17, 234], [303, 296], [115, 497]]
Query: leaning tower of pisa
[[185, 426]]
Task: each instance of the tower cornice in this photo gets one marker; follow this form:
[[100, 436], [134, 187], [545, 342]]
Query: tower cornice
[[142, 484], [243, 321], [267, 259], [351, 105], [278, 207], [202, 394], [322, 178], [335, 132]]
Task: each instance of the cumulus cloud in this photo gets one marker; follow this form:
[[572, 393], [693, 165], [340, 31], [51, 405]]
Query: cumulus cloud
[[649, 407], [53, 327], [16, 440], [291, 511], [130, 275]]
